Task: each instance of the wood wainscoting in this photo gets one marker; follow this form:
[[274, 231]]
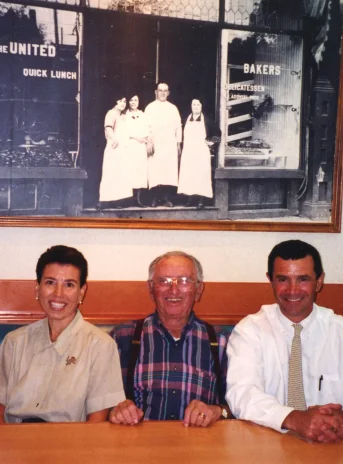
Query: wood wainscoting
[[109, 302]]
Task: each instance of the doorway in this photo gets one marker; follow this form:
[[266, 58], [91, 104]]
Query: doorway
[[132, 52]]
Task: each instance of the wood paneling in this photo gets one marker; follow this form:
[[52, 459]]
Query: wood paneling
[[110, 302]]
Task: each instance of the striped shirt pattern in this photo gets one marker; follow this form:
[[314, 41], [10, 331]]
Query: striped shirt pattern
[[170, 373]]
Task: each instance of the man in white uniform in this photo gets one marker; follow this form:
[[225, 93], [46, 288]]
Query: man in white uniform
[[164, 146], [286, 361]]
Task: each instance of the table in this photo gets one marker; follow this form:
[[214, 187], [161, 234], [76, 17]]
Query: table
[[229, 442]]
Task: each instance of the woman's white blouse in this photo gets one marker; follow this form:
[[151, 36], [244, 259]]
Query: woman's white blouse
[[61, 381]]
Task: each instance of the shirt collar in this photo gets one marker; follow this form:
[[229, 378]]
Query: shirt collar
[[42, 337], [185, 330], [134, 114], [64, 339], [197, 119], [288, 325]]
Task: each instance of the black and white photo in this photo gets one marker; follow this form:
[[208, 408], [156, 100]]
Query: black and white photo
[[124, 113]]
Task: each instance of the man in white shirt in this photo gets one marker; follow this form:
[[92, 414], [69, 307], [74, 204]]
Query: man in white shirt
[[261, 345], [164, 146]]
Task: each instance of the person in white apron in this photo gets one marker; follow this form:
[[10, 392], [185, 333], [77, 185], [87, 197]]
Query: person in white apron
[[136, 151], [115, 181], [164, 146], [195, 179]]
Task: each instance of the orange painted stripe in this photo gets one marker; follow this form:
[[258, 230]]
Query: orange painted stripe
[[109, 302]]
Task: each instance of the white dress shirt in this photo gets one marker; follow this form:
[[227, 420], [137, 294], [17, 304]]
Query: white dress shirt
[[259, 350]]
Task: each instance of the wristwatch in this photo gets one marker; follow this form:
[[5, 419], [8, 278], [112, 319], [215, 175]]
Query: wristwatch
[[224, 414]]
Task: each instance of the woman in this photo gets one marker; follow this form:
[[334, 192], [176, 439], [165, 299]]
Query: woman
[[137, 131], [195, 170], [115, 181], [62, 368]]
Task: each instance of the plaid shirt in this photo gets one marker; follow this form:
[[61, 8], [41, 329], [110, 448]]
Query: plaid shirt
[[170, 374]]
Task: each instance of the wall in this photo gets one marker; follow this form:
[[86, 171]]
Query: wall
[[124, 254]]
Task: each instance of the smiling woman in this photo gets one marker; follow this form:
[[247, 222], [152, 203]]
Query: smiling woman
[[59, 292], [43, 364]]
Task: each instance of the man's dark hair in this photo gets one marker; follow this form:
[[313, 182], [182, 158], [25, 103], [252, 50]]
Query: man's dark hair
[[62, 254], [294, 249]]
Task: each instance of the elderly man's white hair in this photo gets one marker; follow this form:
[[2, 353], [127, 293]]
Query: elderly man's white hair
[[197, 265]]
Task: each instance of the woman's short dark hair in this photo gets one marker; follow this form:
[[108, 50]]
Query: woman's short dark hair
[[118, 94], [130, 96], [62, 254], [294, 249]]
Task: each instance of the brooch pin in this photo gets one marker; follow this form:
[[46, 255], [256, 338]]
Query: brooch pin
[[71, 360]]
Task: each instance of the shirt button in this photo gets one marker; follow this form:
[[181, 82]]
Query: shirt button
[[174, 391], [175, 368], [172, 416]]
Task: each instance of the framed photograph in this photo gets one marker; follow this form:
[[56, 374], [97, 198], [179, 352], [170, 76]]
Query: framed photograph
[[201, 114]]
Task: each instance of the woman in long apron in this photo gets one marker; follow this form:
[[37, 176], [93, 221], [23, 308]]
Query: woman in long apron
[[195, 178], [137, 158], [115, 181]]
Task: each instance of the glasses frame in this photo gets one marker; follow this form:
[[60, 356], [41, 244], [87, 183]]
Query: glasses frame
[[171, 280]]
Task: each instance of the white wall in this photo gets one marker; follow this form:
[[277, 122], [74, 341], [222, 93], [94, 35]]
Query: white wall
[[123, 254]]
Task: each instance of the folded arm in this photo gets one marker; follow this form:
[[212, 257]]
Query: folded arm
[[319, 423]]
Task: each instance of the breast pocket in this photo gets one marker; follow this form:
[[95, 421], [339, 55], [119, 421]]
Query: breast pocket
[[326, 388], [202, 384], [331, 387]]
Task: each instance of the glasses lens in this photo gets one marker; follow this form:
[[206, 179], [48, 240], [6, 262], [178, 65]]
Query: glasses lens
[[181, 282], [163, 282]]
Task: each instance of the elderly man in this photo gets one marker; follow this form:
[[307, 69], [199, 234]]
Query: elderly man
[[164, 146], [173, 363], [286, 361]]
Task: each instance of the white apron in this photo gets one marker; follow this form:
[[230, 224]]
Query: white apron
[[136, 151], [195, 168], [115, 182], [164, 121]]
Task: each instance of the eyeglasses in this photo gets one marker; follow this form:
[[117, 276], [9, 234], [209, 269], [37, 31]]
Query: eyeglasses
[[182, 282]]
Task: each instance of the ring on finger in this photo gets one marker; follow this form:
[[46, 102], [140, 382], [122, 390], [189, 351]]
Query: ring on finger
[[202, 415]]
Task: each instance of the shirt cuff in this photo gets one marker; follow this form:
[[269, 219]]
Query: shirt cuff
[[276, 417], [104, 402]]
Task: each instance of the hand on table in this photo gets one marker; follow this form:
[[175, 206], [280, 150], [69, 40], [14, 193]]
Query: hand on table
[[336, 411], [330, 408], [319, 423], [126, 413], [200, 414]]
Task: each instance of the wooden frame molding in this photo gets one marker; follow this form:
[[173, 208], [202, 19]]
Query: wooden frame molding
[[109, 302]]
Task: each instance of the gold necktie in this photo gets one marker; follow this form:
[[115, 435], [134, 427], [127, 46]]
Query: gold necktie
[[296, 396]]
